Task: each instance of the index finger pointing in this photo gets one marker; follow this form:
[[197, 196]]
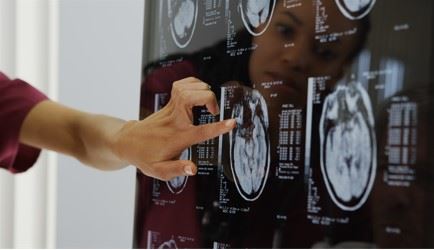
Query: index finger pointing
[[198, 134]]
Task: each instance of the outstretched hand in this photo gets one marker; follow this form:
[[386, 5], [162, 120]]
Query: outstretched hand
[[154, 144]]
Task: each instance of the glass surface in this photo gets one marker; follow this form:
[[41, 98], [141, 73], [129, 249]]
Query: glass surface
[[333, 145]]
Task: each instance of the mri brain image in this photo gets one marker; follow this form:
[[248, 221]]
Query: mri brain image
[[183, 17], [177, 184], [249, 145], [348, 146], [355, 9], [256, 15]]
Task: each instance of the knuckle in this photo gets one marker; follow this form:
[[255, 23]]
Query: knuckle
[[184, 96], [177, 87], [207, 86], [202, 85], [210, 96], [191, 79]]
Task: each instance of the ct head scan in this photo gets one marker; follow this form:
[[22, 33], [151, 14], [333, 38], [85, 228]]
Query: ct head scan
[[256, 15], [249, 145], [183, 18], [348, 146]]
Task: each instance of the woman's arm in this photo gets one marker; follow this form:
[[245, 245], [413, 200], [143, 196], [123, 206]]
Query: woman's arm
[[108, 143], [84, 136]]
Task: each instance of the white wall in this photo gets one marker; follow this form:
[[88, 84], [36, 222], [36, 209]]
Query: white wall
[[27, 44], [99, 71]]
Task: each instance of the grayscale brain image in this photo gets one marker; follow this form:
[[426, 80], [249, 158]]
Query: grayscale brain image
[[249, 145], [256, 13], [333, 105], [183, 15], [348, 145]]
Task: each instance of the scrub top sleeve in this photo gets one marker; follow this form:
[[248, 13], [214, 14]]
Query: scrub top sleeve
[[17, 98]]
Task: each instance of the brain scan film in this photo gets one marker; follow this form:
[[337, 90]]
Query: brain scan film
[[177, 184], [348, 146], [249, 145], [183, 17], [256, 15], [355, 9]]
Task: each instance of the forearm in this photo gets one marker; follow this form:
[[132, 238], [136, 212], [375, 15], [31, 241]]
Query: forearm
[[87, 137], [97, 134]]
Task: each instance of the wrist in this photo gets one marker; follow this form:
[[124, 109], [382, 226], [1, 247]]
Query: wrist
[[119, 143]]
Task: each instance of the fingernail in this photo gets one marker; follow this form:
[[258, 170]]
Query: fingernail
[[230, 123], [188, 170]]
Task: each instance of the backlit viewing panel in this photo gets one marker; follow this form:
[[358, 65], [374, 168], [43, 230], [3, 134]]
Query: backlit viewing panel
[[333, 144]]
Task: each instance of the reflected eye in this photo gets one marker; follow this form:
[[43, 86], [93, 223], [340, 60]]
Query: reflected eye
[[326, 54], [285, 30]]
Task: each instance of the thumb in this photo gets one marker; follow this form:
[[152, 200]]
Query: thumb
[[205, 132], [168, 170]]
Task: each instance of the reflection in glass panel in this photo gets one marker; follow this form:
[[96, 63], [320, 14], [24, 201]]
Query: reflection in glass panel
[[333, 146]]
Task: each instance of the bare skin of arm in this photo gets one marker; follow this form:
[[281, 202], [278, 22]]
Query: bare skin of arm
[[107, 143]]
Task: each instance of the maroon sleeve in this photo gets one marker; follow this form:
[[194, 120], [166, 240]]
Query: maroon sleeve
[[17, 98]]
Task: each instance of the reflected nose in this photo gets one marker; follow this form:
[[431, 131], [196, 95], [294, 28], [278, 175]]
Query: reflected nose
[[298, 58]]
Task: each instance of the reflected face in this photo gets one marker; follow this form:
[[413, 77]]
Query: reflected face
[[289, 52]]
